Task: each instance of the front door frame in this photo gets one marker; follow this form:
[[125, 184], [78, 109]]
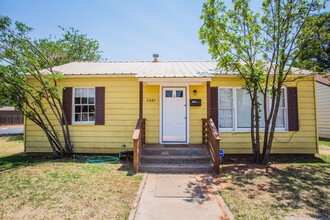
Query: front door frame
[[186, 86]]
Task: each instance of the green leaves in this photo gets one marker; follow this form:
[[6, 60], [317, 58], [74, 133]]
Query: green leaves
[[262, 48]]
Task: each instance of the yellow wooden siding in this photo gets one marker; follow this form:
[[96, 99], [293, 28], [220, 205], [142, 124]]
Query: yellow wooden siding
[[151, 104], [302, 141], [323, 106], [197, 113], [121, 114]]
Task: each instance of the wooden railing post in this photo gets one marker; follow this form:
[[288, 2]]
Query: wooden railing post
[[138, 139], [135, 156], [212, 139]]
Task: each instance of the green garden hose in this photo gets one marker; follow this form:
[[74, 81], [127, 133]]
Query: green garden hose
[[101, 159]]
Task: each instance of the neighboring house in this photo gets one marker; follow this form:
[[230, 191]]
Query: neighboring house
[[323, 106], [104, 100], [9, 116]]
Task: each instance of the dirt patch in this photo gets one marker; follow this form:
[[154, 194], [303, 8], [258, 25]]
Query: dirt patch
[[273, 192], [325, 150]]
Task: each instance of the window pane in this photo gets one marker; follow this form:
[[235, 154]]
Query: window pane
[[91, 92], [168, 93], [77, 117], [243, 109], [91, 117], [91, 100], [84, 108], [179, 93], [91, 108], [83, 100], [77, 100], [77, 92], [226, 118], [261, 111], [280, 120], [226, 98], [282, 101], [84, 92], [77, 109], [84, 117]]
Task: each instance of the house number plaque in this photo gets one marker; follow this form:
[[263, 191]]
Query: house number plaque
[[150, 100]]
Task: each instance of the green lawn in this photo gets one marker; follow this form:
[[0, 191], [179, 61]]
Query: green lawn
[[299, 189], [324, 143], [41, 188]]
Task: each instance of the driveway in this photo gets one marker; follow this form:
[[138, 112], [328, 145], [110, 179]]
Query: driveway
[[11, 129], [179, 196]]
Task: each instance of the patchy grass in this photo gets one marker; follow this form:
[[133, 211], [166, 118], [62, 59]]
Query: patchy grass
[[324, 143], [11, 144], [38, 188], [279, 190]]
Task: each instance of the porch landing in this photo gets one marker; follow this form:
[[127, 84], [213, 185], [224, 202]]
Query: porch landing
[[176, 158]]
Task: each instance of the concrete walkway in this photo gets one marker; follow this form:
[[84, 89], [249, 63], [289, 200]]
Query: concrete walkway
[[11, 129], [178, 196]]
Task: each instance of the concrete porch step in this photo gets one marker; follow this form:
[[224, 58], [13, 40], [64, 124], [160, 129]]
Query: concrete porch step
[[175, 159], [176, 168], [171, 150]]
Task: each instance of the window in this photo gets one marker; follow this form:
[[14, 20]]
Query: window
[[226, 109], [179, 94], [84, 105], [235, 110], [168, 93]]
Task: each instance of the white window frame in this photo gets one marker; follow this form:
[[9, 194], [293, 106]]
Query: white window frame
[[74, 110], [235, 128], [234, 109]]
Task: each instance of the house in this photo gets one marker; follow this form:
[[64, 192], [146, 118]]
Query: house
[[10, 116], [323, 106], [105, 100]]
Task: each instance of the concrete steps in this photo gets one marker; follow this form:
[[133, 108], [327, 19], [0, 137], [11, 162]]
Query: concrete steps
[[175, 159]]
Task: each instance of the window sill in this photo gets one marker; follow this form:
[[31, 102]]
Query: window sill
[[83, 124], [248, 131]]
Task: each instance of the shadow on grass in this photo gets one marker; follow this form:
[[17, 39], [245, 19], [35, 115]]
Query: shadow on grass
[[18, 160], [294, 186], [277, 158], [12, 137]]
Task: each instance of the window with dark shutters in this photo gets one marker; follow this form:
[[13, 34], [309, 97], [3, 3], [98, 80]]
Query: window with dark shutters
[[214, 106], [99, 107], [67, 104], [293, 109]]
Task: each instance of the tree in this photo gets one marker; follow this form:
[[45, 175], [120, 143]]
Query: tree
[[34, 92], [261, 48], [315, 55], [72, 46]]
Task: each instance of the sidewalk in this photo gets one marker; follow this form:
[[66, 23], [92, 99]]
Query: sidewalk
[[178, 196], [11, 129]]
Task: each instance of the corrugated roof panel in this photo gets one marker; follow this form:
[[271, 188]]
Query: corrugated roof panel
[[149, 69]]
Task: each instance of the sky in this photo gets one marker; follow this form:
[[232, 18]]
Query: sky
[[126, 29]]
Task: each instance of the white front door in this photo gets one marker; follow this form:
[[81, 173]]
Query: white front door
[[174, 114]]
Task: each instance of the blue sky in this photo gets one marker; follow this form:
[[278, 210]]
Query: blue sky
[[125, 29]]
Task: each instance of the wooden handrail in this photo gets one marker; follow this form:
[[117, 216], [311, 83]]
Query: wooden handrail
[[138, 140], [212, 139]]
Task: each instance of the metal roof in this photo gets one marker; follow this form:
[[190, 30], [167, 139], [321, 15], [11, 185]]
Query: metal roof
[[149, 69], [142, 68]]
